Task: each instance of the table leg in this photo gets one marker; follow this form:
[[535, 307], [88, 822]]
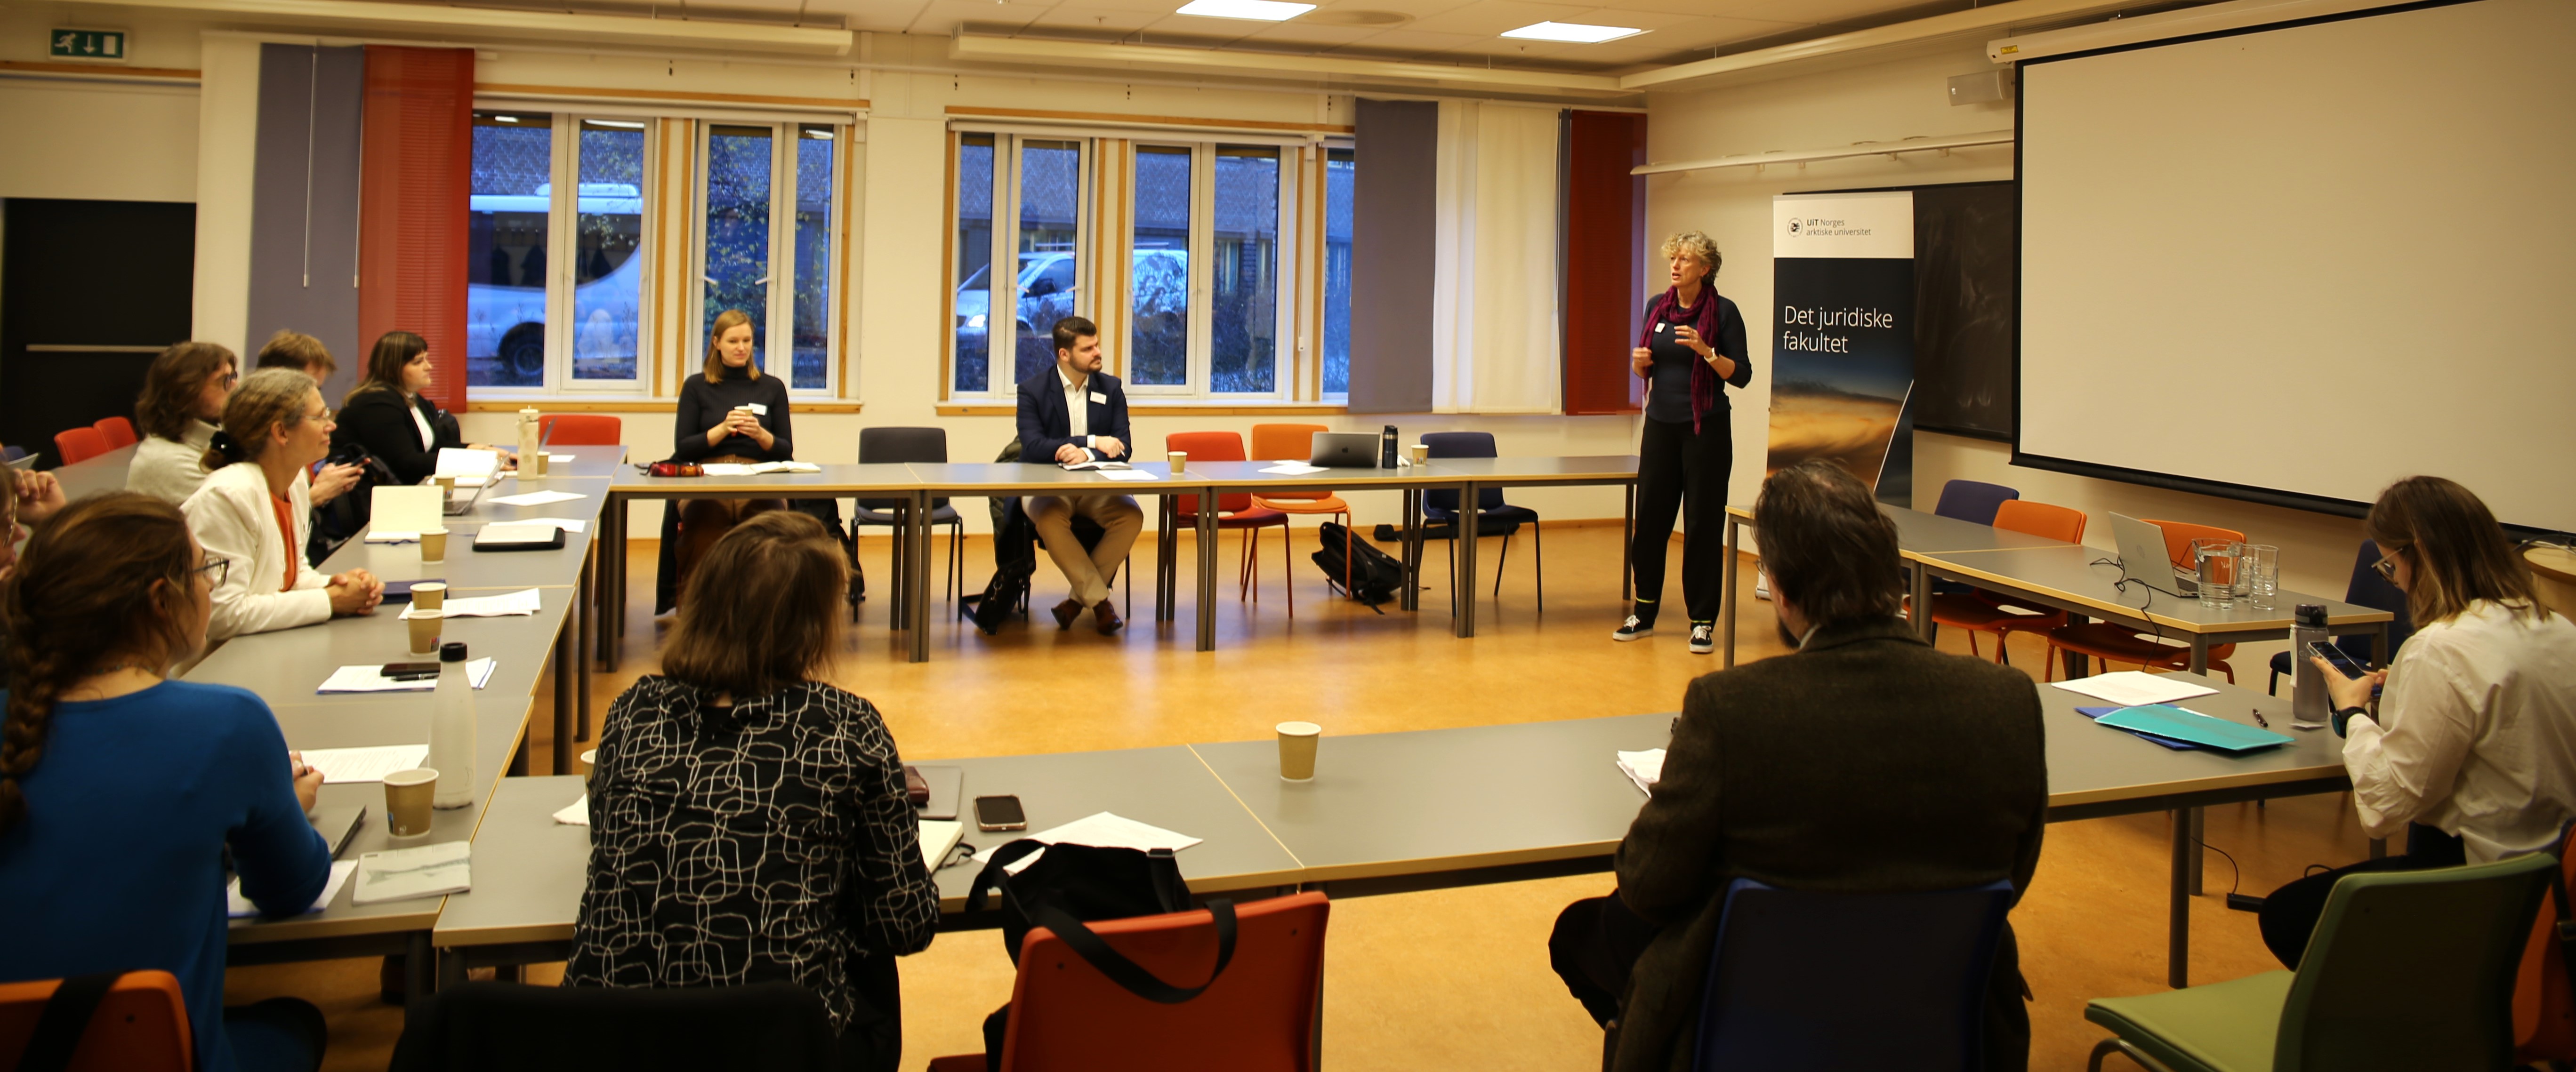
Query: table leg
[[614, 629], [1921, 613], [2075, 660], [1167, 545], [1627, 538], [1207, 571], [898, 560], [2200, 653], [1726, 589], [1411, 598], [2379, 652], [1470, 522], [582, 640], [567, 666], [420, 977], [2199, 850], [917, 575], [2178, 924], [451, 967]]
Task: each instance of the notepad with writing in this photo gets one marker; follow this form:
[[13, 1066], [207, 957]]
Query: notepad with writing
[[402, 874], [1102, 463]]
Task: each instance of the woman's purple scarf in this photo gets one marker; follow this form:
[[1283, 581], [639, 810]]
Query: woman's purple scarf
[[1668, 310]]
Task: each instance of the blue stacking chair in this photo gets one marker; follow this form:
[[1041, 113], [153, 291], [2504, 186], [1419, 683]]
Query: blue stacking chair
[[1441, 507], [2367, 588], [1806, 982]]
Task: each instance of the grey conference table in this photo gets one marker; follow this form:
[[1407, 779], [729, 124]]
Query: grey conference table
[[105, 472], [1918, 534], [524, 911]]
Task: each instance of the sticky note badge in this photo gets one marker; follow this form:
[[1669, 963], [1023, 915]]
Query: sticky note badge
[[1100, 398]]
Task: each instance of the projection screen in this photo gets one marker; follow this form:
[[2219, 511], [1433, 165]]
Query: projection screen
[[2296, 263]]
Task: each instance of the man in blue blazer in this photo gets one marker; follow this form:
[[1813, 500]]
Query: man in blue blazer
[[1070, 414]]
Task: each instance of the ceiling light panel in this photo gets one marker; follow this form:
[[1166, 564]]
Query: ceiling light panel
[[1257, 10], [1570, 32]]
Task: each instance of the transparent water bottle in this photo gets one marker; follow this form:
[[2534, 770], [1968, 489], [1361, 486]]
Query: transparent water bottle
[[451, 730]]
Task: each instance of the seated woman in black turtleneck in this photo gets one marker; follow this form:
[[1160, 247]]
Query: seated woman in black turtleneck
[[731, 413]]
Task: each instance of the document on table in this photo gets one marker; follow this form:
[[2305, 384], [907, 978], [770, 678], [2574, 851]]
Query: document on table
[[567, 524], [471, 468], [538, 498], [523, 601], [1109, 831], [757, 468], [1644, 768], [2185, 724], [938, 836], [1293, 469], [365, 764], [402, 874], [406, 509], [380, 536], [239, 907], [370, 677], [1103, 463], [2136, 688], [1129, 474], [576, 813]]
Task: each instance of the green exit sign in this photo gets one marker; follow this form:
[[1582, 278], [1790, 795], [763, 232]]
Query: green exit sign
[[89, 44]]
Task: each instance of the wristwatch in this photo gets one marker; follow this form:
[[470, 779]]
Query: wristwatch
[[2344, 715]]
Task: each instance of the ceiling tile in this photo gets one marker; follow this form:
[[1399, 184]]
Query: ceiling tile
[[1490, 17], [1296, 32]]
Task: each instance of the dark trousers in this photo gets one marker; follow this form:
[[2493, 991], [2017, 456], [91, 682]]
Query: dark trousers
[[2289, 916], [1677, 469], [1598, 939]]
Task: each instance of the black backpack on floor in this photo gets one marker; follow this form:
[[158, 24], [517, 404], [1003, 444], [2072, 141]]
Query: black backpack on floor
[[1375, 576]]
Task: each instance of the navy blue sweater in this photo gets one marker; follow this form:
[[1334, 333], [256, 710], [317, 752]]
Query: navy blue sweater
[[118, 862]]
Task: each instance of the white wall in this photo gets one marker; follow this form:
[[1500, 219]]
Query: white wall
[[103, 141]]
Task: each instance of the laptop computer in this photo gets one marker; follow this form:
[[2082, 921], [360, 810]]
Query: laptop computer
[[2143, 557], [1345, 450], [25, 463], [461, 499]]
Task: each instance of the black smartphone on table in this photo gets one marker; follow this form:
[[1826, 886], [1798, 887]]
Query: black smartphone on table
[[1000, 813], [411, 671], [2336, 657]]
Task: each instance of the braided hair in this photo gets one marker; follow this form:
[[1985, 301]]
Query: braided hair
[[90, 591]]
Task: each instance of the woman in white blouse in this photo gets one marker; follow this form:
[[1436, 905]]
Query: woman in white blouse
[[183, 397], [254, 507], [2471, 752]]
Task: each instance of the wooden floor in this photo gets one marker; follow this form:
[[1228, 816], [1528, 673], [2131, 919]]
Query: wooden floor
[[1443, 979]]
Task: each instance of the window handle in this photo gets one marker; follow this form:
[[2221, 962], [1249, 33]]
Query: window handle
[[760, 282]]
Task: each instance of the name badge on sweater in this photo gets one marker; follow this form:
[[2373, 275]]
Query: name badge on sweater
[[1100, 398], [1659, 327]]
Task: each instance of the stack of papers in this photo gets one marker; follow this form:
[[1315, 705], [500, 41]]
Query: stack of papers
[[370, 677], [523, 601], [1293, 469], [1108, 831], [576, 813], [757, 468], [239, 907], [2134, 688], [1104, 463], [402, 874], [938, 836], [1644, 768], [1129, 474], [538, 498], [365, 764], [471, 468]]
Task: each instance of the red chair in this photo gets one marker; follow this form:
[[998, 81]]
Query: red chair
[[1235, 511], [579, 430], [80, 444], [2544, 1003], [1296, 442], [2118, 643], [1983, 611], [1259, 1016], [141, 1025], [118, 430]]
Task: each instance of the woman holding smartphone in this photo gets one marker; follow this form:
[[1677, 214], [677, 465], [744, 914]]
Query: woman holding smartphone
[[729, 412], [1689, 350], [2470, 754]]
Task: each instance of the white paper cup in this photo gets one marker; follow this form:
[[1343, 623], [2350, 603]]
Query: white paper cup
[[1297, 741]]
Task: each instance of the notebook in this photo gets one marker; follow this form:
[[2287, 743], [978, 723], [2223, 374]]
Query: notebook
[[2162, 720]]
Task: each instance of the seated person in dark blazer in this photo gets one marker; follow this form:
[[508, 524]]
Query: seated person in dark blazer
[[390, 417], [1053, 428], [1864, 761]]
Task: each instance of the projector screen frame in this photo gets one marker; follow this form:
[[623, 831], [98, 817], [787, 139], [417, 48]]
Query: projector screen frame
[[2148, 478]]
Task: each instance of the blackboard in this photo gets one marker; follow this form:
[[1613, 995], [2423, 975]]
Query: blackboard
[[1967, 245]]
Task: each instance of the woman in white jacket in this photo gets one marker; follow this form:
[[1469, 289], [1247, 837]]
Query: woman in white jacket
[[255, 505]]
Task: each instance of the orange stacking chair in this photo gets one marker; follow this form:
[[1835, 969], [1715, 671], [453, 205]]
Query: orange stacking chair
[[579, 430], [2119, 643], [141, 1025], [1982, 611], [80, 444], [118, 430], [1235, 510]]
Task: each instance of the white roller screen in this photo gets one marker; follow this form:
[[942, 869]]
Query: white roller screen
[[2310, 259]]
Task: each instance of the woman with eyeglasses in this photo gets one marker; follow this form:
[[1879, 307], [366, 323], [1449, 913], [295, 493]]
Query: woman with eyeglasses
[[2470, 751], [120, 790], [183, 396], [254, 509]]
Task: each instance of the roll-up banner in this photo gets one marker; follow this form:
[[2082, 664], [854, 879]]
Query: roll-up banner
[[1842, 357]]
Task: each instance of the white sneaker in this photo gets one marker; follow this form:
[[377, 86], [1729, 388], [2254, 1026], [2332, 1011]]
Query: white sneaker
[[1632, 629], [1703, 638]]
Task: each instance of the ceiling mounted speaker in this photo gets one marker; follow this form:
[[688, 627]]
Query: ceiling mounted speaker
[[1981, 87]]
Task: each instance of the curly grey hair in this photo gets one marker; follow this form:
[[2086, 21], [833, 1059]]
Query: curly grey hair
[[1697, 245]]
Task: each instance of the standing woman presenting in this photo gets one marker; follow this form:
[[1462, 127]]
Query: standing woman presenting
[[730, 412], [1690, 348]]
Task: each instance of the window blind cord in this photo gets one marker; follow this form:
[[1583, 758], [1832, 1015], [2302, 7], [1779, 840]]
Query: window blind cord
[[312, 109]]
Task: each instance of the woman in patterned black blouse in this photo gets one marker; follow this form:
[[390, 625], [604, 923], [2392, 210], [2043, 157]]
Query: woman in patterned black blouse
[[748, 823]]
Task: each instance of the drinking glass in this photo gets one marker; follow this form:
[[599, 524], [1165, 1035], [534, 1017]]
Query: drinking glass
[[2214, 571], [2259, 569]]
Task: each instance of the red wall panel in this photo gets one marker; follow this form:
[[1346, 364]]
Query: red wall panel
[[1605, 256], [416, 154]]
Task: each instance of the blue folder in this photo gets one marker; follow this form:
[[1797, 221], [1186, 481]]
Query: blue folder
[[2165, 720]]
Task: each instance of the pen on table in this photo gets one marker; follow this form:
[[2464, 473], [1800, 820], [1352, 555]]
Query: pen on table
[[2258, 720]]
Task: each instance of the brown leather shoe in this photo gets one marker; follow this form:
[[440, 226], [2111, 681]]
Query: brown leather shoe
[[1104, 614], [1065, 613]]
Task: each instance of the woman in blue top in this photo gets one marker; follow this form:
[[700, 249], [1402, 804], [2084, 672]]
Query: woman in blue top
[[119, 788], [1689, 351]]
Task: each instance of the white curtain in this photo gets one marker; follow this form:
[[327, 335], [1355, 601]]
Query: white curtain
[[1494, 334]]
